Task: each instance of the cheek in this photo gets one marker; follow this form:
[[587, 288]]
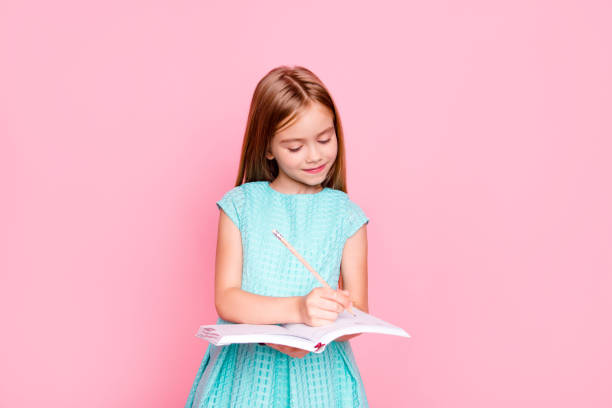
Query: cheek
[[292, 159], [333, 150]]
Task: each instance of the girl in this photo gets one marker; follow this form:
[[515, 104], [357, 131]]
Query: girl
[[291, 178]]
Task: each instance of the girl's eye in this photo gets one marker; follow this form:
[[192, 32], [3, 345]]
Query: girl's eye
[[298, 148]]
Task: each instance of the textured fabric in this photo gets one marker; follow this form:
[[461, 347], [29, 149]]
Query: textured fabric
[[250, 375]]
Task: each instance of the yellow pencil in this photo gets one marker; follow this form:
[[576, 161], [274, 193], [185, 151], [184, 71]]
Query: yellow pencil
[[302, 260]]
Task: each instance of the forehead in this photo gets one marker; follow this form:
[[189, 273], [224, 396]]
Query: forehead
[[307, 124]]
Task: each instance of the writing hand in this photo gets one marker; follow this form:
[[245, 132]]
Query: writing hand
[[322, 306]]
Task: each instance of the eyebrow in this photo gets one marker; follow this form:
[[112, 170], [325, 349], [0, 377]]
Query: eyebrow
[[297, 139]]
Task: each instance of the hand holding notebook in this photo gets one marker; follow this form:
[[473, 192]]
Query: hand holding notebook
[[298, 335]]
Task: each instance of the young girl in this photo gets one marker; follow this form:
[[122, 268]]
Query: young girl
[[291, 178]]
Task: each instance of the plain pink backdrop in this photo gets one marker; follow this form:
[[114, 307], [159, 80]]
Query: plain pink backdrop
[[478, 137]]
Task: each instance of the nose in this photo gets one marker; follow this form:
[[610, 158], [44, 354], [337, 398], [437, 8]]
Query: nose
[[314, 156]]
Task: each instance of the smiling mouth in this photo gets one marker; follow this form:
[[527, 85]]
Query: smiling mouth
[[316, 168]]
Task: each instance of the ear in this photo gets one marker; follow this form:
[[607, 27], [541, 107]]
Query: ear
[[269, 155]]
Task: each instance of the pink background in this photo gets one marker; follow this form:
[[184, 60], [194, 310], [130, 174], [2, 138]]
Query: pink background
[[479, 144]]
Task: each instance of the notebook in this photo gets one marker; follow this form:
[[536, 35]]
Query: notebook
[[298, 335]]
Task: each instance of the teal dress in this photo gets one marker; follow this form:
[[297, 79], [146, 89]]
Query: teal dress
[[251, 375]]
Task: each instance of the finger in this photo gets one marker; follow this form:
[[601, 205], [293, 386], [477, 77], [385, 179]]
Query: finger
[[340, 298], [326, 315], [348, 297], [278, 347], [330, 305], [328, 293], [344, 298], [299, 353], [289, 349]]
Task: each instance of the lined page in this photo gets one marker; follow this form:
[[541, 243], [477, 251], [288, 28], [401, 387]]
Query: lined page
[[344, 320]]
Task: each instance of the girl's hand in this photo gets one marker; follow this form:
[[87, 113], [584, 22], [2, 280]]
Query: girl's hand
[[290, 351], [347, 337], [322, 306]]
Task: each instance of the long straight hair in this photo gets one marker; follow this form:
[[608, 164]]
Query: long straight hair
[[277, 100]]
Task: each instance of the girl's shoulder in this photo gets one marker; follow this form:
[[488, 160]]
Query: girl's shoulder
[[235, 201], [245, 188], [353, 215], [343, 197], [238, 196]]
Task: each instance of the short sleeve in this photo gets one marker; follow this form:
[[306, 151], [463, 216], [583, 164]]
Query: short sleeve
[[354, 219], [232, 203]]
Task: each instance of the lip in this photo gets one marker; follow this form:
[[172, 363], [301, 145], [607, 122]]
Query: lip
[[315, 170]]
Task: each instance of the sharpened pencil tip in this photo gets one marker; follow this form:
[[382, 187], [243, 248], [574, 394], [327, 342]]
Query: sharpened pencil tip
[[350, 310]]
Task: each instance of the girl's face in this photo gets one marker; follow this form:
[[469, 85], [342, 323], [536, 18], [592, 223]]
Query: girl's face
[[309, 143]]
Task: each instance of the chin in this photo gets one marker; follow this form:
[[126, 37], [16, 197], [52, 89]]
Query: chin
[[313, 182]]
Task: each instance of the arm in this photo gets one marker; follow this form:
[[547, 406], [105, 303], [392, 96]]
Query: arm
[[234, 304], [354, 271]]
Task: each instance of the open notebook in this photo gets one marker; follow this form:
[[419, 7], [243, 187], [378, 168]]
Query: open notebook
[[298, 335]]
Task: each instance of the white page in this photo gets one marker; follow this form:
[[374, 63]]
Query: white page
[[297, 334], [243, 329], [224, 334], [343, 324]]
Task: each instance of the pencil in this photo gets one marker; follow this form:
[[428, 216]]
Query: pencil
[[302, 260]]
